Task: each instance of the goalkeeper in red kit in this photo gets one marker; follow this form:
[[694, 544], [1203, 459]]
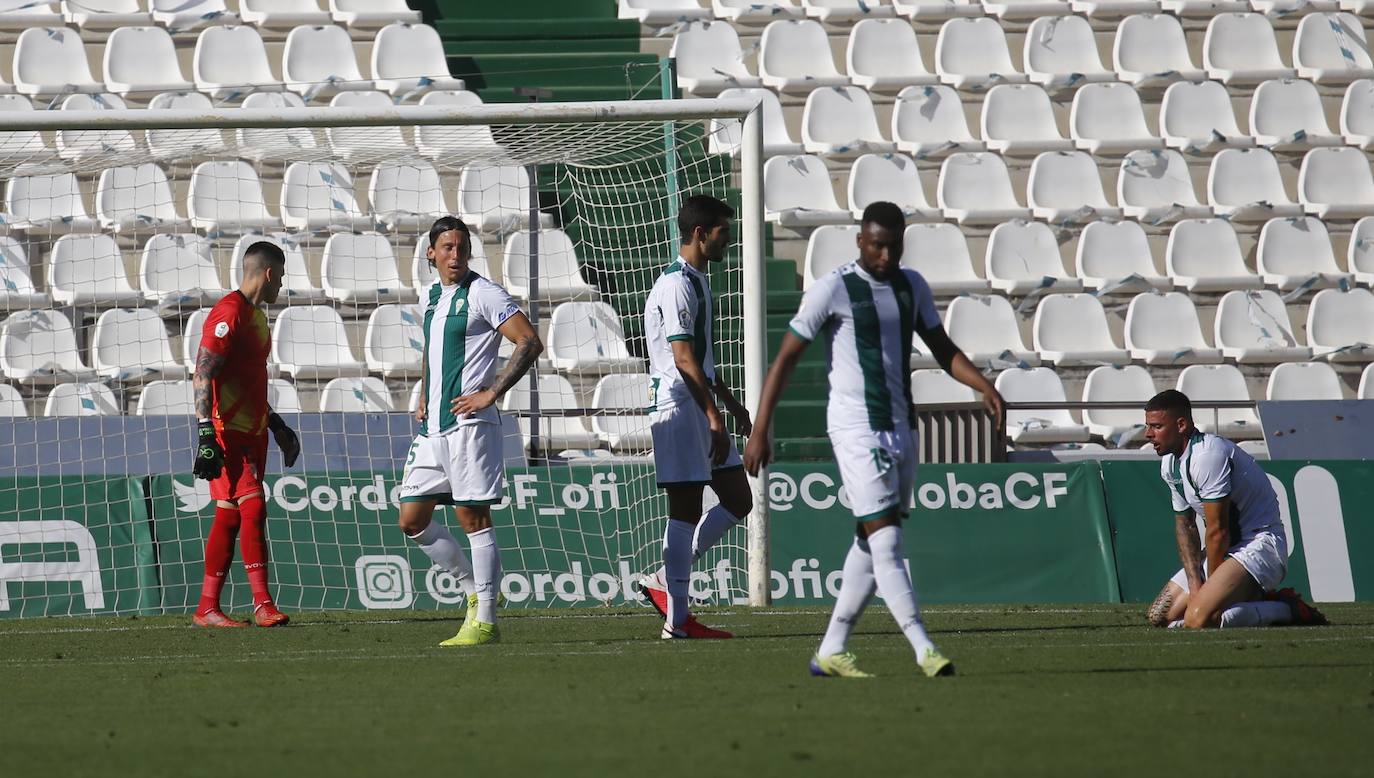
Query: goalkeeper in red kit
[[234, 418]]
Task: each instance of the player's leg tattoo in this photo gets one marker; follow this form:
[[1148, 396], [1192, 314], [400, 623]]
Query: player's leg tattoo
[[1158, 612]]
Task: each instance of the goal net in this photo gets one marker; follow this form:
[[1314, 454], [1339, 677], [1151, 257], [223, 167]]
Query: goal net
[[122, 227]]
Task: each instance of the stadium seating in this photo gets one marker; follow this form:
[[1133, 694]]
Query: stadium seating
[[1287, 115], [1357, 114], [18, 147], [296, 286], [1241, 49], [1304, 381], [130, 345], [360, 269], [975, 188], [830, 247], [986, 329], [319, 196], [797, 193], [1331, 49], [1115, 257], [755, 12], [883, 55], [794, 57], [179, 271], [934, 10], [407, 57], [1203, 255], [1366, 388], [1065, 187], [52, 61], [167, 144], [1071, 329], [281, 394], [394, 342], [226, 197], [108, 15], [494, 198], [587, 337], [12, 403], [30, 14], [88, 269], [928, 122], [84, 399], [283, 14], [1244, 185], [1061, 51], [1197, 118], [39, 347], [1150, 50], [77, 146], [356, 143], [709, 59], [1340, 325], [142, 59], [940, 254], [839, 11], [48, 203], [1109, 119], [892, 178], [319, 61], [309, 341], [190, 338], [16, 284], [455, 144], [132, 199], [556, 432], [1296, 253], [559, 275], [178, 15], [274, 144], [1038, 384], [406, 196], [656, 12], [1360, 251], [723, 137], [1336, 184], [1252, 327], [1154, 186], [1023, 257], [1018, 120], [973, 54], [936, 387], [371, 13], [356, 394], [1112, 383], [1203, 383], [840, 122], [1164, 329], [167, 398], [230, 63]]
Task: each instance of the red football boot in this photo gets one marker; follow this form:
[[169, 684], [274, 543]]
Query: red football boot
[[692, 629], [654, 591], [1303, 614], [267, 615], [216, 618]]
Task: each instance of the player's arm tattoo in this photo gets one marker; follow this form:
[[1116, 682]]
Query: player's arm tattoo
[[528, 347], [208, 365], [1189, 548]]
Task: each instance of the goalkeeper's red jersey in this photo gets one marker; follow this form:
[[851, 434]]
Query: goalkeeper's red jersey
[[237, 330]]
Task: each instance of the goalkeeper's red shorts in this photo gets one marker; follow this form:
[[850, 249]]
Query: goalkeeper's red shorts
[[245, 461]]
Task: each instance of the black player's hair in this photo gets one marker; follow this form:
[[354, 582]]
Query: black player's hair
[[886, 215], [1173, 402], [702, 211], [266, 251], [445, 223]]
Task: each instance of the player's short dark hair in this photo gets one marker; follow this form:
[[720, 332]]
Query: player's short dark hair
[[1173, 402], [886, 215], [444, 224], [264, 251], [702, 211]]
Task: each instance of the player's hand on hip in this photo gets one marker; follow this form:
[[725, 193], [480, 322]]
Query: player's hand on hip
[[469, 404], [758, 453], [209, 453], [287, 440], [422, 412], [720, 438]]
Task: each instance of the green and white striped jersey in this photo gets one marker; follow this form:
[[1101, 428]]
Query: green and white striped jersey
[[868, 326], [461, 342], [679, 308], [1212, 467]]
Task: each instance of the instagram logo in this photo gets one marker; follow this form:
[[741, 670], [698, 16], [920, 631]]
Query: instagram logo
[[384, 581]]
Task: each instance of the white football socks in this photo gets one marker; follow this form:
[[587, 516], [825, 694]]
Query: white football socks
[[856, 589], [677, 567], [441, 547], [1260, 613], [486, 569], [712, 527], [889, 570]]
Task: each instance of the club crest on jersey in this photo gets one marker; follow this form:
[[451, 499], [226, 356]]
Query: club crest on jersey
[[221, 329], [684, 318]]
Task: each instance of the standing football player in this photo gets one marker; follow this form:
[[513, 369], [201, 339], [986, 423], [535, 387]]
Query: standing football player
[[457, 457], [867, 312], [692, 448], [233, 417]]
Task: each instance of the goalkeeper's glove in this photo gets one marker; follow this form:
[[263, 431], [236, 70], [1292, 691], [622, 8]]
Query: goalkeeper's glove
[[209, 454], [287, 441]]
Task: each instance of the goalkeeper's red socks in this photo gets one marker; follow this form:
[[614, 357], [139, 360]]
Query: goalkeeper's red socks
[[253, 544], [219, 553]]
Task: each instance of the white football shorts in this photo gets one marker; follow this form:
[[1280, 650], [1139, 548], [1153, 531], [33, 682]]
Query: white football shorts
[[682, 447], [461, 467], [878, 470], [1264, 557]]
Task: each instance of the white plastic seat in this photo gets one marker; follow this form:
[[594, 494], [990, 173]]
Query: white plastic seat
[[928, 122], [422, 275], [1203, 255], [933, 386], [85, 399], [78, 146], [723, 135], [1357, 114], [1330, 49], [1278, 10], [1164, 329], [1038, 384], [274, 144], [797, 192], [883, 56], [939, 253], [987, 330], [973, 54], [231, 63], [660, 12], [1023, 257], [179, 271], [1366, 389], [1252, 327], [1244, 185], [1065, 186], [89, 270], [1116, 257], [709, 59], [1021, 10], [296, 286], [1111, 383], [406, 195], [23, 15], [829, 247], [227, 197], [975, 188], [191, 333], [455, 144], [1340, 325], [167, 398], [1018, 120], [555, 432], [1155, 186], [142, 59], [560, 275], [1198, 118], [135, 199], [319, 61], [1061, 51], [1113, 9], [39, 347], [318, 196], [495, 198], [181, 15], [1071, 329], [1150, 50], [371, 14], [50, 203], [131, 346], [107, 15], [936, 10], [842, 11], [1360, 251], [1336, 184], [395, 340], [16, 148], [1109, 119], [408, 57], [52, 61], [364, 143], [1296, 253], [629, 433], [892, 178], [1240, 49], [755, 12], [16, 284], [282, 14], [11, 402], [309, 341], [356, 394], [182, 144], [1304, 381], [794, 57], [588, 337], [361, 270], [1288, 115], [281, 394]]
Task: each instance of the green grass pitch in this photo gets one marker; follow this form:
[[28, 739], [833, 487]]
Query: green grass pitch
[[1055, 690]]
